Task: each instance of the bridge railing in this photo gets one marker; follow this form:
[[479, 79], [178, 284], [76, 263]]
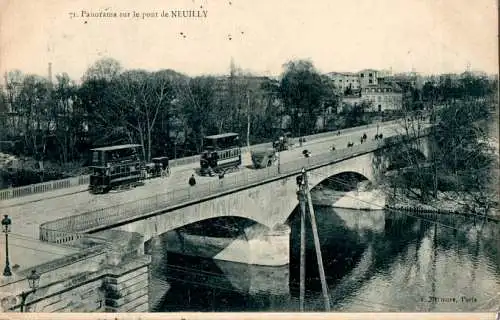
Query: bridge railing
[[85, 179], [115, 214], [44, 187], [112, 215]]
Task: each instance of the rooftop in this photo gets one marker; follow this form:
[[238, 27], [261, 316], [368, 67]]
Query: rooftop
[[392, 86], [341, 73]]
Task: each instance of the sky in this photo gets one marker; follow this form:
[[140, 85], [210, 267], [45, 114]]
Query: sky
[[429, 36]]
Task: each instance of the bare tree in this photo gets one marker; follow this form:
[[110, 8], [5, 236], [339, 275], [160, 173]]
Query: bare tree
[[412, 170], [14, 81], [138, 99], [68, 116], [197, 97], [34, 111], [104, 69]]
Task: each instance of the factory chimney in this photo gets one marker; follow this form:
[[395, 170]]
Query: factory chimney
[[50, 72]]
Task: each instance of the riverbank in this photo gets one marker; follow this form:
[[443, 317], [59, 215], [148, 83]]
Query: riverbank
[[445, 202], [385, 198]]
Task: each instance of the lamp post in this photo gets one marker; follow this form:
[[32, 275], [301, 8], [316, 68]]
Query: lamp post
[[6, 223], [33, 282], [279, 162]]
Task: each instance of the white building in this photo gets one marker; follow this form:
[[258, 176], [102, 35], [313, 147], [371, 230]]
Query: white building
[[344, 80], [368, 77], [368, 85], [384, 97]]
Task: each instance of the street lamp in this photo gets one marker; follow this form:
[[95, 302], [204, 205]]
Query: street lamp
[[279, 161], [33, 282], [6, 223]]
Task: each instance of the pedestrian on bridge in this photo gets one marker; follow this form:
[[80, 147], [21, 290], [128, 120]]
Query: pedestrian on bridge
[[221, 178], [192, 181]]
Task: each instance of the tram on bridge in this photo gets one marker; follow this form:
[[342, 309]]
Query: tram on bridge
[[222, 153], [115, 167]]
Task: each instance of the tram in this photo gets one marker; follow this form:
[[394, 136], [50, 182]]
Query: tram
[[221, 153], [115, 167]]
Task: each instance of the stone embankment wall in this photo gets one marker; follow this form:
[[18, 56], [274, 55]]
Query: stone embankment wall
[[105, 278]]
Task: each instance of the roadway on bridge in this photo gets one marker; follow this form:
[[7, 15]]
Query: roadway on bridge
[[27, 216], [24, 252]]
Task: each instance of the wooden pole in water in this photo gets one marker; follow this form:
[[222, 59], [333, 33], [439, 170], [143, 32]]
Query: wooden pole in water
[[302, 202], [316, 243]]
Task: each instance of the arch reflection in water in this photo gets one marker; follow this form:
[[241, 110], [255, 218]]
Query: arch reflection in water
[[374, 261]]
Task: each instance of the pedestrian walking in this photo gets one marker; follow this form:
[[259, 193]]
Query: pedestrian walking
[[192, 181], [221, 178]]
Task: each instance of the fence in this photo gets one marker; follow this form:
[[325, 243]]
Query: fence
[[108, 216], [82, 180], [44, 187]]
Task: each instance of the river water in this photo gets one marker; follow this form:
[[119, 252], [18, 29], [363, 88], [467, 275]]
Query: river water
[[373, 261]]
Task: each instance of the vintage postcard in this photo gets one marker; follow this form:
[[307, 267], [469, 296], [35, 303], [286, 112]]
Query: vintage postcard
[[196, 159]]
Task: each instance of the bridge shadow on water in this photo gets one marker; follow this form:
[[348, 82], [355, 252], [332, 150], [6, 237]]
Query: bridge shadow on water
[[355, 246], [373, 260]]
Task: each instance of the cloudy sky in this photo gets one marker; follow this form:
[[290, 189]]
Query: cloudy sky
[[432, 36]]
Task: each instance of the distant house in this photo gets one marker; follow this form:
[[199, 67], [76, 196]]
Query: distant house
[[384, 97], [368, 77], [344, 80]]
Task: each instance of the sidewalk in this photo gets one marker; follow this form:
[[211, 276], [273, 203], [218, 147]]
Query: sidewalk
[[26, 252]]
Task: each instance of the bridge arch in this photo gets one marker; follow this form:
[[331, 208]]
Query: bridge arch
[[268, 203], [343, 181], [213, 234], [360, 166], [158, 225]]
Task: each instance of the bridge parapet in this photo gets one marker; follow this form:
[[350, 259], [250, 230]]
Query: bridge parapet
[[84, 179], [99, 219]]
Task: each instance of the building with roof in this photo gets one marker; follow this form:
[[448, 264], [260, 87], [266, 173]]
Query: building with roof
[[369, 77], [384, 97], [344, 80], [368, 85]]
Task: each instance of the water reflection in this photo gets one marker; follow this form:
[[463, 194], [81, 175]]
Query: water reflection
[[374, 261]]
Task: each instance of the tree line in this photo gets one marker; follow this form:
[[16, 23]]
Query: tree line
[[461, 159], [167, 112]]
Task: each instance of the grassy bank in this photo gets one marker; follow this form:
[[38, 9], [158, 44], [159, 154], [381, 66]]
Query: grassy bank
[[445, 202]]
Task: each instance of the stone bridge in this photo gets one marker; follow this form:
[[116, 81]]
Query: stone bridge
[[267, 197]]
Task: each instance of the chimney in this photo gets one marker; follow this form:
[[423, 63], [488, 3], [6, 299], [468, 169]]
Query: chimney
[[50, 72]]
